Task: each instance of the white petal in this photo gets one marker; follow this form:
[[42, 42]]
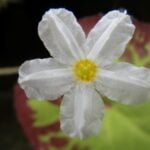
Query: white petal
[[38, 65], [108, 39], [62, 35], [81, 112], [125, 83], [44, 79]]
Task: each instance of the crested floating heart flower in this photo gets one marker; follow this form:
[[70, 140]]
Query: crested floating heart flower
[[83, 69]]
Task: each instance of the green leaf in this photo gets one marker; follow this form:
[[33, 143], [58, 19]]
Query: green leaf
[[44, 114], [124, 127], [44, 138]]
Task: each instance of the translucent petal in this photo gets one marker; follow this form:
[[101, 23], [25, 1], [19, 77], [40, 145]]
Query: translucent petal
[[108, 39], [44, 79], [38, 65], [62, 35], [125, 83], [81, 112]]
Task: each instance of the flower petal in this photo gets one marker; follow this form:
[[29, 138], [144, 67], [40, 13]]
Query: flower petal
[[125, 83], [38, 65], [81, 112], [44, 79], [108, 39], [62, 35]]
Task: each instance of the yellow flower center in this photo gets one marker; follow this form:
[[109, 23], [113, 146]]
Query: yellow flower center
[[85, 70]]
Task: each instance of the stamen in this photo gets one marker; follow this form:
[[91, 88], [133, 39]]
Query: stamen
[[85, 70]]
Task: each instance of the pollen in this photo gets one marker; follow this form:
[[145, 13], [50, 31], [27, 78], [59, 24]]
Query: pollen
[[85, 70]]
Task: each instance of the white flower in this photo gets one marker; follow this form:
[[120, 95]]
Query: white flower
[[83, 69]]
